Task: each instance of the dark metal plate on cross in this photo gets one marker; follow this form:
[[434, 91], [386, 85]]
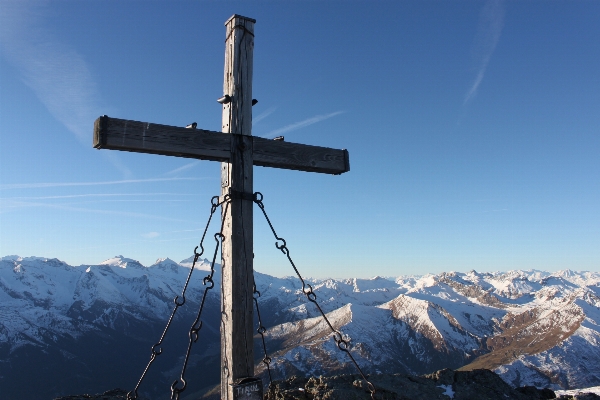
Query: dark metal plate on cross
[[248, 389]]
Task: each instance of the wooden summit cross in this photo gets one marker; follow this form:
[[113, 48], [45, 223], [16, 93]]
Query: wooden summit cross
[[238, 151]]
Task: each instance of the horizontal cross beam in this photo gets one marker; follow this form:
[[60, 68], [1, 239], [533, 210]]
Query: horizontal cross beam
[[144, 137]]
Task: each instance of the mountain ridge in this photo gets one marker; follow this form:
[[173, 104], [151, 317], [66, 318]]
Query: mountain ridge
[[531, 327]]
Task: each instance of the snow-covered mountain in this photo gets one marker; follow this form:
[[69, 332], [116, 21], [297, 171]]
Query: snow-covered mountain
[[531, 327], [66, 329]]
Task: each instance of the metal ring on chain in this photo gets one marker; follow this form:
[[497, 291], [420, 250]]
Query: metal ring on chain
[[156, 350], [262, 330], [343, 345], [179, 304], [210, 280], [175, 389]]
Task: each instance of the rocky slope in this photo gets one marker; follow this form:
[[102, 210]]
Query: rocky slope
[[531, 327], [445, 384]]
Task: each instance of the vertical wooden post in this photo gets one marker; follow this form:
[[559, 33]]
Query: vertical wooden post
[[237, 358]]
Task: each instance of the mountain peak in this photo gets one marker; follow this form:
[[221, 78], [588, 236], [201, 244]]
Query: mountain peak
[[16, 258], [122, 262], [188, 262], [166, 264]]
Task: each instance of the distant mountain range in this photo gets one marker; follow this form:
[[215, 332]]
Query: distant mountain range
[[86, 329]]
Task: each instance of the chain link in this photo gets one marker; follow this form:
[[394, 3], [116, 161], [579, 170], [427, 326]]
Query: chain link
[[307, 289], [261, 330], [156, 348], [180, 385]]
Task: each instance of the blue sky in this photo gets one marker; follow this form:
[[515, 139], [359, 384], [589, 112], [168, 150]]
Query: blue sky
[[472, 128]]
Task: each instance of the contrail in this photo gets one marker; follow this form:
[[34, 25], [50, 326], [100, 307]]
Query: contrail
[[301, 124], [263, 115], [62, 184], [57, 74], [183, 168], [491, 21], [73, 196]]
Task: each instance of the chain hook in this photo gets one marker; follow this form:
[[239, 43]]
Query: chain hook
[[175, 390], [261, 330], [210, 280], [132, 395], [177, 303], [156, 349]]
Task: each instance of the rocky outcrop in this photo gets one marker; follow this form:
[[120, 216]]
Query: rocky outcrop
[[479, 384], [115, 394], [444, 384]]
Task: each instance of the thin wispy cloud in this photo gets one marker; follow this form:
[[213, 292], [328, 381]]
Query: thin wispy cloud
[[5, 205], [150, 235], [161, 201], [115, 160], [491, 22], [64, 184], [185, 230], [263, 115], [74, 196], [301, 124], [182, 168], [57, 74], [8, 205]]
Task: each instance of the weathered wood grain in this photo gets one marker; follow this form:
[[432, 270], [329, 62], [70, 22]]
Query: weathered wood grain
[[144, 137], [237, 333], [301, 157]]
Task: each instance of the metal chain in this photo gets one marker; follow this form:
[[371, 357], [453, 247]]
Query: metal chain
[[156, 348], [223, 322], [197, 325], [261, 330], [307, 289]]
